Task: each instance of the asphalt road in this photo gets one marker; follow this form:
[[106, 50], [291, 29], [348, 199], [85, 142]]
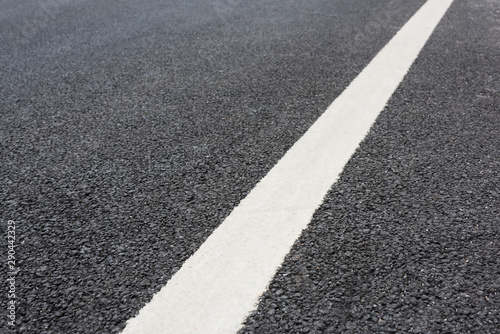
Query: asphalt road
[[130, 130]]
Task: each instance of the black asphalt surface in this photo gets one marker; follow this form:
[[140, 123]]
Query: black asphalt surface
[[408, 240], [130, 130]]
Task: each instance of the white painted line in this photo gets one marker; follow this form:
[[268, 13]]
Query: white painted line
[[220, 284]]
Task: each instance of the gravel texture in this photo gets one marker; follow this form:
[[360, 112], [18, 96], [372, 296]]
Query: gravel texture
[[129, 130], [408, 239]]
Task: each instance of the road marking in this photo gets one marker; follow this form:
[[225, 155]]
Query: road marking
[[220, 284]]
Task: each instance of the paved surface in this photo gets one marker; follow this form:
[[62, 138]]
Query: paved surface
[[408, 240], [129, 131]]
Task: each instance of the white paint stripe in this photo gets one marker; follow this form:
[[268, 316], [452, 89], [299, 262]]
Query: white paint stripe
[[220, 284]]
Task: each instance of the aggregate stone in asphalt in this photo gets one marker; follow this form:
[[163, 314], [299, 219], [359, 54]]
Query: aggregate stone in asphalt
[[130, 130], [408, 239]]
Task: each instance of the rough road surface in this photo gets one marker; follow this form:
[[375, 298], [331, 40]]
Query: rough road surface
[[130, 130]]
